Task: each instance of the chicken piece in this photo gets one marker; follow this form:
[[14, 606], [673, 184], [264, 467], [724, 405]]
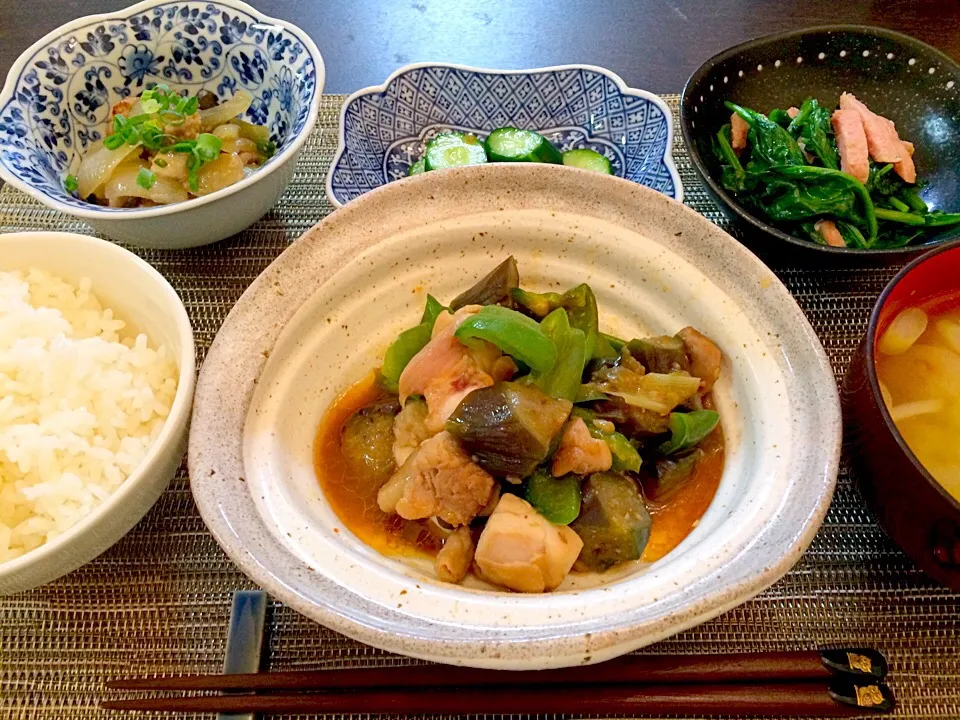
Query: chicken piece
[[828, 230], [189, 129], [449, 388], [738, 132], [123, 107], [705, 357], [882, 141], [503, 369], [410, 429], [852, 143], [443, 351], [793, 111], [908, 146], [439, 479], [580, 452], [446, 370], [522, 550], [455, 557]]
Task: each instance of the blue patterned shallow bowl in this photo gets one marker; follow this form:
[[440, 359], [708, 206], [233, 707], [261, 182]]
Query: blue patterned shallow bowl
[[383, 129], [58, 95]]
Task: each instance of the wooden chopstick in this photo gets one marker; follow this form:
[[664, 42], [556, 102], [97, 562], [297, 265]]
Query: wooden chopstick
[[631, 669], [773, 700]]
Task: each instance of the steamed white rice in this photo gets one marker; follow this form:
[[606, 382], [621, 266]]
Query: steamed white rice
[[81, 402]]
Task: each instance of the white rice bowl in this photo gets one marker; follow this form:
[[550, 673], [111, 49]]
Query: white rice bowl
[[82, 400]]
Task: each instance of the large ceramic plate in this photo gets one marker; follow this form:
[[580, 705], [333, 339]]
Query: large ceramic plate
[[319, 317]]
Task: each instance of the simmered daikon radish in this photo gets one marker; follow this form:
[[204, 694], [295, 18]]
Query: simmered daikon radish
[[123, 186], [224, 171], [97, 167], [162, 148], [226, 111]]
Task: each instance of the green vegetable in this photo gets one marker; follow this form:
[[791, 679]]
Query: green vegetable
[[829, 182], [420, 166], [780, 117], [515, 334], [267, 148], [580, 304], [899, 217], [615, 343], [898, 204], [912, 198], [509, 428], [70, 183], [733, 177], [408, 344], [557, 499], [625, 455], [146, 178], [587, 159], [688, 429], [656, 392], [939, 219], [774, 144], [208, 146], [813, 124], [614, 523], [431, 311], [453, 149], [160, 162], [510, 144], [851, 235], [492, 289], [563, 379], [112, 142]]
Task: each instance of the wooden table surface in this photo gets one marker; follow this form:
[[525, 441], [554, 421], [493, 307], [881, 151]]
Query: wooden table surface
[[652, 44]]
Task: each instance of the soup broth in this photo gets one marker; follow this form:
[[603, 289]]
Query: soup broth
[[918, 365]]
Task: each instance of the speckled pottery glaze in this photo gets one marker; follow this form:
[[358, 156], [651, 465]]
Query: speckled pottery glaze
[[320, 316], [899, 77], [384, 129]]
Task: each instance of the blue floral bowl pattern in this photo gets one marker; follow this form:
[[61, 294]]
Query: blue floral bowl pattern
[[58, 96], [383, 130]]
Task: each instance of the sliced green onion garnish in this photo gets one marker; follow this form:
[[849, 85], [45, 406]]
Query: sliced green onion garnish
[[149, 105], [112, 142], [208, 146], [146, 178], [190, 106], [172, 117], [267, 148], [185, 146], [70, 183], [160, 162]]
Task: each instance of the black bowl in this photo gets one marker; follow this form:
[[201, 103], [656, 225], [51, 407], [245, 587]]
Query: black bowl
[[913, 84]]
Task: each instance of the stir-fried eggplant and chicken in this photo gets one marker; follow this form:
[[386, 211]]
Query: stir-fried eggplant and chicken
[[508, 436]]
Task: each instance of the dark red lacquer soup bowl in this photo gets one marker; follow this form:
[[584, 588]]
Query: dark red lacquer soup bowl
[[914, 509]]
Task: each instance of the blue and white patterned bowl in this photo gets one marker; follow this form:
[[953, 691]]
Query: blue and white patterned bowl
[[383, 129], [58, 95]]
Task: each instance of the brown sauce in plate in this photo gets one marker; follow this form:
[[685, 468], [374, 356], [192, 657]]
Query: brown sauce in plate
[[353, 494]]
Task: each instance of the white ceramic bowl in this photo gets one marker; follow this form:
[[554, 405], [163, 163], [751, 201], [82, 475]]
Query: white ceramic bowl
[[142, 298], [58, 94], [319, 318]]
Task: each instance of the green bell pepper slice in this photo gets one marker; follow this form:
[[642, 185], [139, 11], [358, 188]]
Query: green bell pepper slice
[[581, 306], [515, 334], [408, 344], [562, 381]]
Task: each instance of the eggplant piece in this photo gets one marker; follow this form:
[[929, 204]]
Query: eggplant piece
[[508, 428], [671, 474], [614, 523], [632, 421], [663, 354], [367, 438], [493, 289]]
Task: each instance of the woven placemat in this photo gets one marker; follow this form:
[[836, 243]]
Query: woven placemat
[[160, 599]]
